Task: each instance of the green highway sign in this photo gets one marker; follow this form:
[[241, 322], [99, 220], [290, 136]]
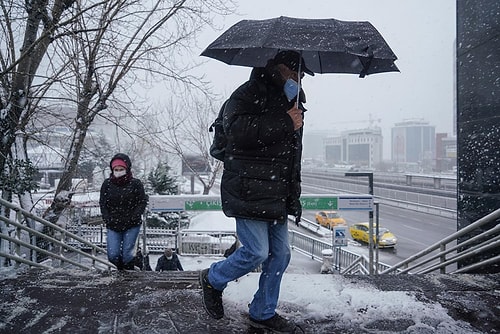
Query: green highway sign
[[203, 205], [337, 202], [170, 203], [323, 203]]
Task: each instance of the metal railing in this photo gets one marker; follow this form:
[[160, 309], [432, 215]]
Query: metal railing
[[199, 242], [351, 262], [185, 242], [61, 248], [83, 246], [189, 242], [447, 252], [89, 241]]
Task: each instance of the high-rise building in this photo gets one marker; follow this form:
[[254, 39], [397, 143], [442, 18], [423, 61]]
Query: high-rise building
[[413, 143], [361, 147], [446, 152]]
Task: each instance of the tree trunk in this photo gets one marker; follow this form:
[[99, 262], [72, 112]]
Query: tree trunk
[[64, 191], [32, 53]]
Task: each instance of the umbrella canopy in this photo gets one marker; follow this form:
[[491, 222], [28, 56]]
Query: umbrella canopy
[[327, 45]]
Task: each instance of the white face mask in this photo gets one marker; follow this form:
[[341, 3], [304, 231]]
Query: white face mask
[[120, 173], [169, 257]]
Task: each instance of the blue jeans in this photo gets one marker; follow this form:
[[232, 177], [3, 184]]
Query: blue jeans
[[121, 246], [262, 243]]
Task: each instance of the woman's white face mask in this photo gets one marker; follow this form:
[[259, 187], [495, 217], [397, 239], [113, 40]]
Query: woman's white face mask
[[119, 173]]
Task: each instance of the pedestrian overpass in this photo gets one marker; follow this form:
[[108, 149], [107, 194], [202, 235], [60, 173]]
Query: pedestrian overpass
[[84, 294]]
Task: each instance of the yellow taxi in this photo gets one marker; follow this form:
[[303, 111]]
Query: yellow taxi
[[329, 219], [360, 232]]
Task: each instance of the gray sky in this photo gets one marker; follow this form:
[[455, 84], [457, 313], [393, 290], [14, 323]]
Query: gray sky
[[420, 32]]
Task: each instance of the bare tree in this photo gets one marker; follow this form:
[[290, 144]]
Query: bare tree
[[99, 53], [182, 130], [109, 47], [20, 59]]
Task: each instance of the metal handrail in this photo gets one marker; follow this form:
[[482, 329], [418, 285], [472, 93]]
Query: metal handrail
[[18, 259], [480, 243], [456, 247], [485, 243], [358, 266], [314, 248]]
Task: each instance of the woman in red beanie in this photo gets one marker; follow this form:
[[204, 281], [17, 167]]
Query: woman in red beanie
[[122, 203]]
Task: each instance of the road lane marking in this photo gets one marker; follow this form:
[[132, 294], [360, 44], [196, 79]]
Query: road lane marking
[[411, 240], [413, 227]]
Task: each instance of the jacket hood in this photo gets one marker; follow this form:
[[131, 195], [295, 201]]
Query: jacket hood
[[123, 157], [271, 75]]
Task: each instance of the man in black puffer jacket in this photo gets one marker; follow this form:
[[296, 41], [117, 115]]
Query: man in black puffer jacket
[[122, 202], [261, 184]]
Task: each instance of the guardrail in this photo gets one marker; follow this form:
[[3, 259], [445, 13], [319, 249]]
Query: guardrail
[[307, 245], [435, 210], [28, 244], [185, 242], [350, 261], [447, 182], [433, 204], [214, 243], [199, 242], [314, 227]]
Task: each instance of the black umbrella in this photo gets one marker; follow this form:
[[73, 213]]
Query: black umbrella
[[327, 45]]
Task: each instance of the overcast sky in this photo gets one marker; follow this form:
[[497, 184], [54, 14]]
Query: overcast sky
[[420, 32]]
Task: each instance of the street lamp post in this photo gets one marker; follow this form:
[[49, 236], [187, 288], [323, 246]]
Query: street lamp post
[[370, 215]]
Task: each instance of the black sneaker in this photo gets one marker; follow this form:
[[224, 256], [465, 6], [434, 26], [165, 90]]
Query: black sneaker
[[277, 324], [212, 298]]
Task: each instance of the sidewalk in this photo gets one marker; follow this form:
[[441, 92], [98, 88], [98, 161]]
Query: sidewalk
[[71, 301]]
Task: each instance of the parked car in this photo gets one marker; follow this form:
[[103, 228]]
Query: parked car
[[329, 219], [360, 232]]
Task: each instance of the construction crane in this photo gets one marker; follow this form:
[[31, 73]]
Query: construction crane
[[371, 121]]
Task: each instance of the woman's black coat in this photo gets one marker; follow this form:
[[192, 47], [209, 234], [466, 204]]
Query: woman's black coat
[[122, 204]]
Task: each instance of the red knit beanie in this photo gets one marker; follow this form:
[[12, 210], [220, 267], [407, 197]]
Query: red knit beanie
[[118, 162]]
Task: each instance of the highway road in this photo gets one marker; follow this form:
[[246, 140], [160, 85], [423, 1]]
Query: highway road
[[414, 230]]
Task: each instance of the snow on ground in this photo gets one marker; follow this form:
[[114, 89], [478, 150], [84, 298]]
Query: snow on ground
[[212, 221], [308, 294], [334, 298]]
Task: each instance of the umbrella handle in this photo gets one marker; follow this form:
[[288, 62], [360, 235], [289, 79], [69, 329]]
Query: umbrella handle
[[299, 83]]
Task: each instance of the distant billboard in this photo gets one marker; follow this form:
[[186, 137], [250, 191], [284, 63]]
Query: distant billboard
[[194, 164]]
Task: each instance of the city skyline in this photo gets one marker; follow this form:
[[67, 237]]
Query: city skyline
[[421, 34]]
